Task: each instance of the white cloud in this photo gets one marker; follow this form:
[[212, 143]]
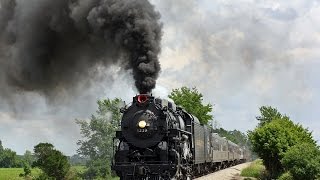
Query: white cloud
[[6, 119], [243, 55]]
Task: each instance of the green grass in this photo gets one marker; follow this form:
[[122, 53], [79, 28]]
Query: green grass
[[79, 169], [256, 169], [13, 173]]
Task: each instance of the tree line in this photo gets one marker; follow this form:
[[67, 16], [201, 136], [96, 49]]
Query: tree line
[[96, 147], [10, 159], [280, 143], [52, 163]]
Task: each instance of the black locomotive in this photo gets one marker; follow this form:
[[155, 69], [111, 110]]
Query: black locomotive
[[159, 140]]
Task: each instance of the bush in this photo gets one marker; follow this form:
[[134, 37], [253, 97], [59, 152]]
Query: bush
[[51, 161], [273, 139], [302, 161], [44, 176], [72, 175], [97, 169], [26, 170], [286, 176], [255, 169]]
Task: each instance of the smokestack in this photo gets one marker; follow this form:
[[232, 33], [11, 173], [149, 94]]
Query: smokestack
[[47, 45]]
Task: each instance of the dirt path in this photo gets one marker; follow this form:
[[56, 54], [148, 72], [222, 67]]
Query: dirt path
[[232, 173]]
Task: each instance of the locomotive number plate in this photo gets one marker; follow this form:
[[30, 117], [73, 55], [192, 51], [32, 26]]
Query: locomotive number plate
[[142, 130]]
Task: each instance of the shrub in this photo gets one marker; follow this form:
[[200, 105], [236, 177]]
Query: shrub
[[26, 170], [273, 139], [72, 175], [255, 169], [51, 161], [302, 161], [286, 176]]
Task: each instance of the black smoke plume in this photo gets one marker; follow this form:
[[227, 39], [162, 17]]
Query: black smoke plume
[[46, 45]]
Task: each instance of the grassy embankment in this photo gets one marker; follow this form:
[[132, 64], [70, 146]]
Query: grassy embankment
[[13, 173], [255, 170]]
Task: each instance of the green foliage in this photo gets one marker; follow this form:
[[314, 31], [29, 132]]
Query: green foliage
[[73, 174], [1, 146], [98, 135], [255, 169], [51, 161], [44, 176], [268, 114], [285, 176], [8, 158], [28, 158], [274, 138], [98, 168], [302, 161], [77, 160], [235, 136], [26, 170], [14, 173], [191, 101]]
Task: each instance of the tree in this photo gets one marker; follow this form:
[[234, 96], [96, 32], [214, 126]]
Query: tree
[[8, 158], [52, 162], [302, 161], [191, 101], [235, 136], [98, 135], [268, 114], [274, 138], [1, 147], [28, 158], [26, 170], [77, 160], [215, 124]]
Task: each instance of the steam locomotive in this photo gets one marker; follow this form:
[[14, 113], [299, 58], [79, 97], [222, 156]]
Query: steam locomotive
[[159, 140]]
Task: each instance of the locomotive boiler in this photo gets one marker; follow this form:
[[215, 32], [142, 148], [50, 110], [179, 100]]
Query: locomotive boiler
[[159, 140]]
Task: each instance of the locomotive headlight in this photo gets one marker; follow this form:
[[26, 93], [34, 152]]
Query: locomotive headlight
[[142, 124]]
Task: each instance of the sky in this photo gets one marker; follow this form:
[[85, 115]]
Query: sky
[[240, 55]]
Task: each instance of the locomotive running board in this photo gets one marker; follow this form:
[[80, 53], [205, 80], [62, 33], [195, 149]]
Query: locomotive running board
[[175, 132]]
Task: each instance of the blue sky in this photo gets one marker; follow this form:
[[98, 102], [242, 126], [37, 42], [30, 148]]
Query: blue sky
[[239, 54]]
